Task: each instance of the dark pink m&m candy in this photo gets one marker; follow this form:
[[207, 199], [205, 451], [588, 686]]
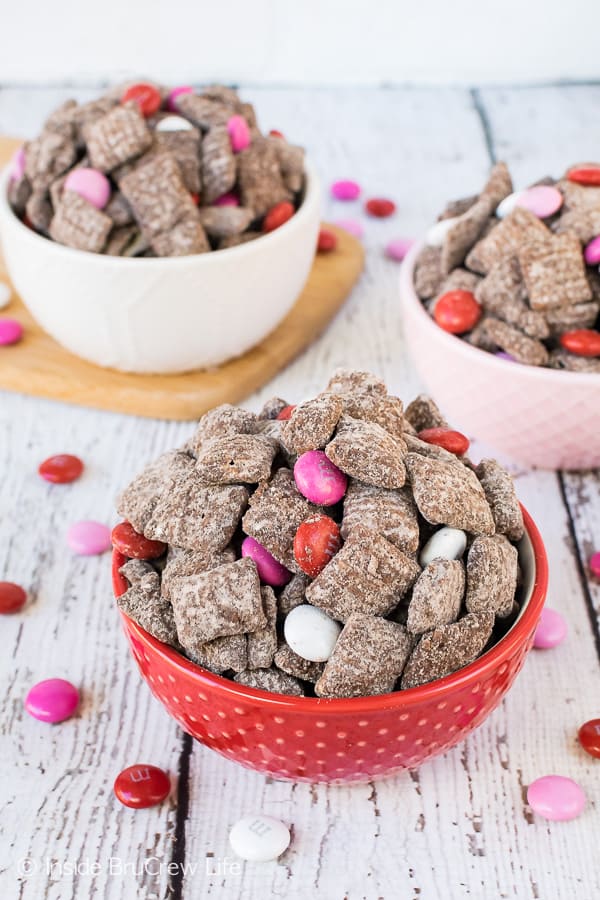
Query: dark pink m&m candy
[[52, 700], [141, 786]]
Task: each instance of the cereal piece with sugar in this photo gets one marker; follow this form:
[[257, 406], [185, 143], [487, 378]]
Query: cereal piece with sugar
[[217, 603], [384, 410], [523, 348], [218, 166], [506, 238], [144, 604], [262, 643], [271, 409], [429, 276], [47, 157], [431, 451], [291, 163], [368, 658], [437, 596], [222, 421], [225, 221], [259, 177], [500, 492], [457, 207], [38, 210], [354, 381], [572, 318], [463, 234], [366, 451], [205, 111], [423, 413], [492, 566], [117, 137], [78, 224], [554, 272], [184, 239], [271, 680], [502, 293], [245, 458], [292, 664], [277, 509], [19, 192], [498, 186], [390, 513], [312, 423], [119, 209], [448, 493], [570, 362], [191, 562], [447, 649], [135, 570], [157, 195], [137, 502], [293, 594], [222, 654], [584, 223], [236, 239], [184, 146], [367, 575], [460, 279]]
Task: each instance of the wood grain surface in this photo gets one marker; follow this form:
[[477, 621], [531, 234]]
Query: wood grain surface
[[459, 827]]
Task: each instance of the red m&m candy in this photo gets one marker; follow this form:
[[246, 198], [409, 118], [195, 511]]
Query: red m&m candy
[[12, 597], [317, 540], [131, 543], [327, 241], [146, 96], [286, 412], [278, 215], [142, 786], [380, 207], [584, 342], [457, 312], [275, 133], [61, 469], [585, 175], [589, 737], [453, 441]]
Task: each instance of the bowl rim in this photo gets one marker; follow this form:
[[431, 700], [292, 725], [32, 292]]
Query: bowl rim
[[454, 343], [304, 211], [396, 700]]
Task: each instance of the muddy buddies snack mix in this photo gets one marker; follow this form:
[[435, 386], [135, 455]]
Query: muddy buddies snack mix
[[515, 273], [404, 574], [148, 171]]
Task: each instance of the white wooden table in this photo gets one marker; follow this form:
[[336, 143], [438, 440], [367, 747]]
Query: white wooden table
[[458, 827]]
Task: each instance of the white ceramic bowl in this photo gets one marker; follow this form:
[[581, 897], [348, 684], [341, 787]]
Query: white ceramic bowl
[[538, 416], [162, 315]]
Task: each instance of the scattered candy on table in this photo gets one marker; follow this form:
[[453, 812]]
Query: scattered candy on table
[[457, 311], [278, 215], [589, 737], [556, 798], [89, 538], [445, 543], [584, 342], [380, 208], [352, 226], [131, 543], [345, 190], [5, 294], [327, 241], [398, 248], [61, 468], [318, 479], [12, 597], [90, 184], [311, 633], [259, 838], [551, 631], [594, 564], [270, 571], [146, 96], [11, 332], [453, 441], [141, 786], [52, 700], [317, 540]]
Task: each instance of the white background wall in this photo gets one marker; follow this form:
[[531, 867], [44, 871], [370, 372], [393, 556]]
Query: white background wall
[[300, 41]]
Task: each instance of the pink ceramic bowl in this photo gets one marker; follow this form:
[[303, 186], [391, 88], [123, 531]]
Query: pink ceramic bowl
[[539, 417], [360, 739]]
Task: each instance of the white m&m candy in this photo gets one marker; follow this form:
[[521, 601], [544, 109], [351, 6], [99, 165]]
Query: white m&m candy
[[447, 543], [436, 234], [174, 123], [259, 838], [311, 633]]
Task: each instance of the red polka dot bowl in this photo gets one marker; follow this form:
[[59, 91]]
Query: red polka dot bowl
[[343, 741], [549, 418]]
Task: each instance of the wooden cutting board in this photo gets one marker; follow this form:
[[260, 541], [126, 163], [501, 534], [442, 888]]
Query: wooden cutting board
[[39, 366]]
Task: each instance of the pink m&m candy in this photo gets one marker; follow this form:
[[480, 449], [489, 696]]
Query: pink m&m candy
[[345, 190], [551, 631], [318, 479], [592, 252], [228, 199], [89, 538], [352, 226], [175, 93], [542, 200], [53, 700], [595, 565], [17, 164], [398, 248], [270, 571], [90, 184], [11, 332], [239, 133], [556, 798]]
